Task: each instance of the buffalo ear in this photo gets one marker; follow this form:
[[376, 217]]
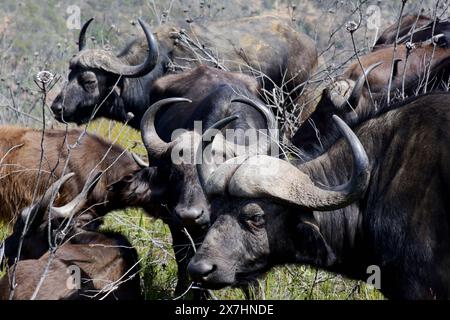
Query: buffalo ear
[[113, 186], [331, 103], [142, 186], [311, 246], [122, 183], [129, 178], [325, 102], [118, 90], [117, 87]]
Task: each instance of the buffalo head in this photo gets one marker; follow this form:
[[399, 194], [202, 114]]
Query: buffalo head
[[263, 215], [38, 220], [95, 80], [145, 188]]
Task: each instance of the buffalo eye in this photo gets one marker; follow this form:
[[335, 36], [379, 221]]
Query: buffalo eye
[[88, 81], [128, 178], [256, 220], [90, 85], [252, 214]]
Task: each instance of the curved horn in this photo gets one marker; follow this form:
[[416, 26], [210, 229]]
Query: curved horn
[[150, 61], [264, 110], [199, 155], [139, 161], [353, 100], [272, 124], [79, 201], [360, 169], [264, 176], [43, 204], [82, 36], [156, 147]]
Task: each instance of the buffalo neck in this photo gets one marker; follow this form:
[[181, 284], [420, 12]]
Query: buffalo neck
[[343, 228]]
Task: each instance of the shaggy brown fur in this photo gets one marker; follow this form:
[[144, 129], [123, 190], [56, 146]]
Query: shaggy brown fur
[[20, 152]]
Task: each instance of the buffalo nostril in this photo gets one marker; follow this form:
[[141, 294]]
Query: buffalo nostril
[[200, 270]]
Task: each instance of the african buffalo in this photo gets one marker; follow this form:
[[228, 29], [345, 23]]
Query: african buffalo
[[172, 179], [393, 211], [72, 150], [106, 261], [101, 84], [422, 68]]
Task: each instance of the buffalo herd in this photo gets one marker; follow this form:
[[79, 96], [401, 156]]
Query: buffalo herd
[[369, 186]]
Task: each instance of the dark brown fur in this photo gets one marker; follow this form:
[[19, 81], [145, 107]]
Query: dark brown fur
[[199, 82]]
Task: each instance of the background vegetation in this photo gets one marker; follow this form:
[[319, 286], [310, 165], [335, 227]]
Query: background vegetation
[[34, 37]]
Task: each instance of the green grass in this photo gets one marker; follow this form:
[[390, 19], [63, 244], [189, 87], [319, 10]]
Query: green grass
[[151, 238]]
